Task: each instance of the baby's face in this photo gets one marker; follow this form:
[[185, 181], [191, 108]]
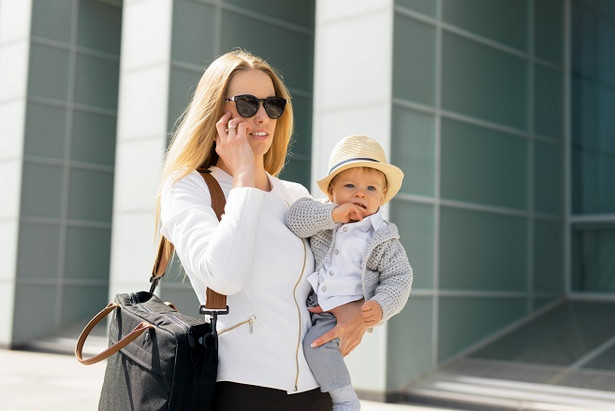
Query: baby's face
[[363, 186]]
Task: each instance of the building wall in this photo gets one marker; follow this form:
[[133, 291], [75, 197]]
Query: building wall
[[62, 259], [478, 127]]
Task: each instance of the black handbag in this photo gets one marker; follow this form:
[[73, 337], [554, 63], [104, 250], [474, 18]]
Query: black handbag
[[165, 360]]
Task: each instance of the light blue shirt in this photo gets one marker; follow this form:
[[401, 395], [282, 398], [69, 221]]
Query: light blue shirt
[[339, 280]]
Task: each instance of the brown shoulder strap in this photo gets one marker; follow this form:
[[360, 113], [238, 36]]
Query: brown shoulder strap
[[165, 248]]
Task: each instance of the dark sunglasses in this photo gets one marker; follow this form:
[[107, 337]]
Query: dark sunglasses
[[247, 105]]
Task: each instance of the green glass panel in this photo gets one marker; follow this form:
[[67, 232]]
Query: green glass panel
[[38, 252], [416, 230], [410, 343], [100, 26], [298, 160], [502, 21], [48, 75], [41, 190], [549, 30], [560, 337], [593, 33], [87, 253], [45, 131], [413, 149], [301, 13], [182, 86], [483, 166], [78, 302], [289, 51], [193, 32], [97, 81], [465, 321], [414, 62], [36, 305], [182, 296], [483, 82], [298, 171], [427, 7], [93, 138], [52, 19], [593, 149], [549, 256], [592, 109], [542, 302], [548, 178], [593, 260], [549, 102], [482, 251], [301, 140], [91, 195]]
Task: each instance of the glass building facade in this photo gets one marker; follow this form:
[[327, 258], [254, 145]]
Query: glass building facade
[[500, 113]]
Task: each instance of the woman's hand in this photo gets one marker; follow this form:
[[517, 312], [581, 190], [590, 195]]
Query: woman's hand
[[234, 149], [349, 329]]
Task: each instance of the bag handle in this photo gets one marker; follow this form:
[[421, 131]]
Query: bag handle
[[215, 301], [123, 342]]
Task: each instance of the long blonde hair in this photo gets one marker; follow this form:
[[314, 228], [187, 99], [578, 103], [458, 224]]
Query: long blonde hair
[[192, 144]]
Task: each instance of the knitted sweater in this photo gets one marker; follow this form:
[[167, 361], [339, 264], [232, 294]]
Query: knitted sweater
[[386, 273]]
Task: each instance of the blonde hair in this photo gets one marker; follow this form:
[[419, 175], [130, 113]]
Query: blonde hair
[[192, 143]]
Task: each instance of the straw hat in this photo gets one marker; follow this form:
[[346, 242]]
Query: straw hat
[[362, 151]]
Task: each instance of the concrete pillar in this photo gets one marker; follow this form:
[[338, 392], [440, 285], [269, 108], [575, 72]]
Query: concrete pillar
[[15, 18], [352, 95], [141, 139]]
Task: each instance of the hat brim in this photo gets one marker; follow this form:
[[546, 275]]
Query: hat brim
[[393, 174]]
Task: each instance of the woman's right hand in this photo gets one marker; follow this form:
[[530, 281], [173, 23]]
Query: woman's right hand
[[233, 148], [350, 327]]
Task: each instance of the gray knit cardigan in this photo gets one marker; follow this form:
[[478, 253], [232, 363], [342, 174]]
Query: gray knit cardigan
[[386, 272]]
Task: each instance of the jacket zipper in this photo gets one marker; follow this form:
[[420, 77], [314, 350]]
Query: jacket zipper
[[299, 316], [232, 327]]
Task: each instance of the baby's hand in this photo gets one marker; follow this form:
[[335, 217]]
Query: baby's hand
[[346, 212], [372, 313]]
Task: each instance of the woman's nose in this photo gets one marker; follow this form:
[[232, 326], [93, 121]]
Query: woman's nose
[[261, 114]]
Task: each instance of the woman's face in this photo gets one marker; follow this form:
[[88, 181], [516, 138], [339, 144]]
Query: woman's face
[[260, 127]]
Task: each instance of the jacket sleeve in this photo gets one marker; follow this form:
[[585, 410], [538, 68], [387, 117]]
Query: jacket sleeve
[[214, 254], [307, 216], [395, 279]]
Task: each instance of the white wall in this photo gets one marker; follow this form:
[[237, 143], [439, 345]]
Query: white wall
[[352, 95], [15, 18], [141, 140]]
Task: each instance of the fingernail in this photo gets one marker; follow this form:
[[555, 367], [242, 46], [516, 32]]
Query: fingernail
[[313, 345]]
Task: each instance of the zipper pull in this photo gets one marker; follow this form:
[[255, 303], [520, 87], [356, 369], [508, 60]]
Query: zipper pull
[[251, 322]]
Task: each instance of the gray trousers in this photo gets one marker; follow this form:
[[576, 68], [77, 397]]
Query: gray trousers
[[326, 361]]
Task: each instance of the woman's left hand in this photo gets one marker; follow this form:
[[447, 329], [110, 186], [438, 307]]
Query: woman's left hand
[[350, 327]]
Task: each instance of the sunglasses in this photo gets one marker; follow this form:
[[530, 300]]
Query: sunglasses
[[247, 105]]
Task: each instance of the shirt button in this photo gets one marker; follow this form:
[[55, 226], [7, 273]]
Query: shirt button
[[324, 288], [331, 273], [345, 229], [336, 252]]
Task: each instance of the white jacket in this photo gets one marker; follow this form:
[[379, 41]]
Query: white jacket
[[259, 263]]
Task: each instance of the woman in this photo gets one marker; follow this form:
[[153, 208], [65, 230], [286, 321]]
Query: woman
[[238, 125]]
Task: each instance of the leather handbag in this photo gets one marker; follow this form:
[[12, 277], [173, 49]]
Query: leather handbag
[[159, 358]]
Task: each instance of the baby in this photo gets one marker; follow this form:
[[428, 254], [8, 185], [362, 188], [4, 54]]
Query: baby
[[358, 254]]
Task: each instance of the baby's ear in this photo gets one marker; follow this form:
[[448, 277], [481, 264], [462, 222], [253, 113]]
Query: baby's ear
[[330, 193]]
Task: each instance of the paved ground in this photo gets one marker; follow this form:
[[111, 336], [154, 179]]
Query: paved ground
[[32, 380]]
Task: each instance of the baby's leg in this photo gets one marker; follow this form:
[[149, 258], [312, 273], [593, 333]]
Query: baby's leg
[[328, 365]]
